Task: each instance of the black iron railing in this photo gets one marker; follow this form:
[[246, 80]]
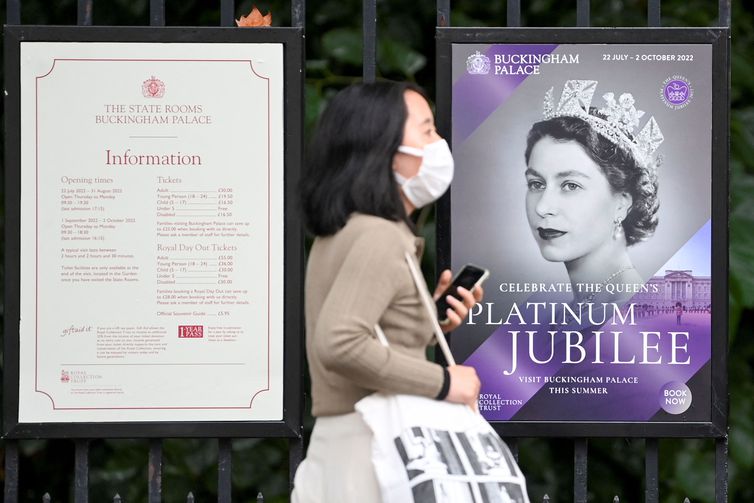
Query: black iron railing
[[155, 459]]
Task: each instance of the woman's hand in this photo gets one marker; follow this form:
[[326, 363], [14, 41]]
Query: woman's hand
[[458, 308], [464, 385]]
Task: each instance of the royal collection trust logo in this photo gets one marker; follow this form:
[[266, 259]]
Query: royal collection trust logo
[[153, 88], [676, 92], [478, 64]]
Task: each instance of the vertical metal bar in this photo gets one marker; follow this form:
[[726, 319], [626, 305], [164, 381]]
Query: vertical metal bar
[[579, 470], [227, 12], [370, 40], [295, 455], [514, 13], [157, 12], [11, 472], [654, 13], [651, 470], [724, 13], [298, 13], [13, 12], [513, 446], [84, 12], [81, 472], [155, 471], [721, 470], [224, 470], [582, 13], [443, 13]]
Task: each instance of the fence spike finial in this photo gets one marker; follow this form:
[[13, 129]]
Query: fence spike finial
[[546, 499], [190, 497], [686, 500], [46, 498], [616, 499], [116, 498], [260, 497]]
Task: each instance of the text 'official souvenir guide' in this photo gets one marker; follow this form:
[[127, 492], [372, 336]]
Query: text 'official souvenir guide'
[[599, 303]]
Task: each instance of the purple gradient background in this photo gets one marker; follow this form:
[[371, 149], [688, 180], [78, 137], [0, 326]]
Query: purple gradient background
[[477, 96], [623, 402]]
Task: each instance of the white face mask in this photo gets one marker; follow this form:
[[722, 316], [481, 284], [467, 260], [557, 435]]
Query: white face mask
[[434, 176]]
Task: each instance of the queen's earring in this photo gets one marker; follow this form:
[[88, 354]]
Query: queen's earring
[[617, 228]]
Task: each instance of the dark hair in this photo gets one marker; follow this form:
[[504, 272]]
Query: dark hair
[[349, 162], [623, 172]]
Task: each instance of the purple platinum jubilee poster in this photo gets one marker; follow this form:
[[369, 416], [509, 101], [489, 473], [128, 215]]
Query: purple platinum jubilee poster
[[583, 175]]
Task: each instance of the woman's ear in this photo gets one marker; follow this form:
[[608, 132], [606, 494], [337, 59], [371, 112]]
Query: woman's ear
[[624, 205]]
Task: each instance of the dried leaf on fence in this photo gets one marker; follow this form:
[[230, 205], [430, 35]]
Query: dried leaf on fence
[[255, 18]]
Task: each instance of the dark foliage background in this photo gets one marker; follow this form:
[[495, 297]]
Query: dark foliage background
[[405, 51]]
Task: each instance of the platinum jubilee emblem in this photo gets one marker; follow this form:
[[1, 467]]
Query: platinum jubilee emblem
[[676, 92], [478, 64]]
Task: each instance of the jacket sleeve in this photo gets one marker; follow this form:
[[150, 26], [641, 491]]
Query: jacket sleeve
[[370, 277]]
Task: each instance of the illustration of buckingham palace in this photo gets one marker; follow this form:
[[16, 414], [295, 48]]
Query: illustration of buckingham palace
[[693, 292]]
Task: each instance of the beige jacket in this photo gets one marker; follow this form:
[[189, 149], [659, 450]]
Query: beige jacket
[[354, 279]]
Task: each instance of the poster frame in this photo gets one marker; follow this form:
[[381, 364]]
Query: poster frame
[[719, 40], [291, 424]]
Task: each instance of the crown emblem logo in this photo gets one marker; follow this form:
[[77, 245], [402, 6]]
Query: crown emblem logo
[[677, 92], [153, 88], [616, 121], [478, 64]]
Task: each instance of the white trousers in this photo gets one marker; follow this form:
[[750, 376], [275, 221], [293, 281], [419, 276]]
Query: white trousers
[[338, 465]]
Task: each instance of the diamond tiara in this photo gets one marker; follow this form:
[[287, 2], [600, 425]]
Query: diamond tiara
[[620, 122]]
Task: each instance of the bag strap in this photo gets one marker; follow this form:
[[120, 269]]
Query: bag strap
[[427, 301], [422, 287]]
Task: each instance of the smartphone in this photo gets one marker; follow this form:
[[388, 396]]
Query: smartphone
[[468, 277]]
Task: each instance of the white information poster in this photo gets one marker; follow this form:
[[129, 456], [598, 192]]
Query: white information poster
[[151, 232]]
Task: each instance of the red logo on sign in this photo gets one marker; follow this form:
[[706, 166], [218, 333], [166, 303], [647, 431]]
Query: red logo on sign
[[153, 88], [190, 331]]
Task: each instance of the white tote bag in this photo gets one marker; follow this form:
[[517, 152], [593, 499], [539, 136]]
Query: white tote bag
[[431, 451]]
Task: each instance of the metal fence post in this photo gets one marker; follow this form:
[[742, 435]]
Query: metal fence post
[[580, 470], [724, 13], [81, 472], [298, 13], [13, 12], [155, 471], [513, 13], [583, 16], [654, 17], [227, 12], [651, 469], [224, 470], [157, 12], [84, 14], [11, 472], [721, 470], [370, 40], [295, 455]]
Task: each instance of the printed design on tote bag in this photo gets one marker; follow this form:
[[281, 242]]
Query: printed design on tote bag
[[458, 467]]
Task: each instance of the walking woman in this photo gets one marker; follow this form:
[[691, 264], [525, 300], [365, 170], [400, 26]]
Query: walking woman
[[374, 158]]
